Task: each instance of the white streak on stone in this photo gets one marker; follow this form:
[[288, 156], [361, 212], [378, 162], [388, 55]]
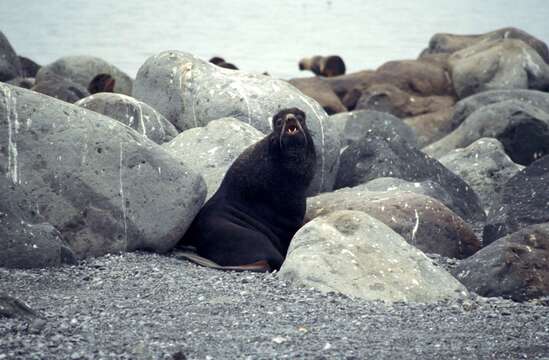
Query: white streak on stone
[[235, 85], [13, 128], [123, 199], [416, 226]]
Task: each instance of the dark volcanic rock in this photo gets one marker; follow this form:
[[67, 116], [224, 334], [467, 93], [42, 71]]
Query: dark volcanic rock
[[133, 113], [374, 157], [26, 83], [82, 70], [515, 266], [28, 67], [10, 66], [523, 130], [485, 166], [101, 184], [524, 201], [464, 108], [421, 220], [499, 64], [356, 124], [191, 92], [59, 87]]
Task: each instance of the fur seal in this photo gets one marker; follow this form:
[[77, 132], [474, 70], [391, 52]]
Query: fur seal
[[327, 66], [101, 83], [249, 222], [219, 61]]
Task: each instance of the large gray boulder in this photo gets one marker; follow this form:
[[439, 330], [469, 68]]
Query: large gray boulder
[[375, 157], [354, 125], [191, 92], [354, 254], [422, 221], [211, 150], [444, 43], [485, 166], [25, 245], [82, 69], [523, 201], [515, 266], [523, 129], [499, 64], [464, 108], [10, 65], [105, 187], [133, 113]]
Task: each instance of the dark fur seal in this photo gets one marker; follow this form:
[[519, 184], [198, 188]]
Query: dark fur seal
[[249, 222]]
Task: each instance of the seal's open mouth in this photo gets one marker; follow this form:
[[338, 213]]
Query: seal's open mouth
[[292, 130]]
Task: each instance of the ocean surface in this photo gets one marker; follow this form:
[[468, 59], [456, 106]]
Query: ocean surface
[[257, 36]]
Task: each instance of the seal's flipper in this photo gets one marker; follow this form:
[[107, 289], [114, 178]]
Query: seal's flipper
[[192, 256]]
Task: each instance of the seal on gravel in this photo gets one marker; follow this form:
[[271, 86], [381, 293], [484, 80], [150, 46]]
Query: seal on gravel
[[249, 222]]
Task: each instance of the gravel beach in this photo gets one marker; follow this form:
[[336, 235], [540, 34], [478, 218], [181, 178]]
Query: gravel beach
[[148, 306]]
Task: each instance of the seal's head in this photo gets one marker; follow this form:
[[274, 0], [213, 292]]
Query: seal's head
[[290, 128]]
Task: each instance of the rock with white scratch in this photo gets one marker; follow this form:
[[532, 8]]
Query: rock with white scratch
[[94, 179], [385, 267], [198, 92], [133, 113]]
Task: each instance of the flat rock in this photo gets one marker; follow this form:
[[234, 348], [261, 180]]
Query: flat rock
[[374, 157], [485, 166], [498, 64], [422, 221], [523, 201], [191, 92], [514, 266], [133, 113], [523, 129], [105, 187], [356, 124], [210, 150], [82, 69], [354, 254], [10, 66]]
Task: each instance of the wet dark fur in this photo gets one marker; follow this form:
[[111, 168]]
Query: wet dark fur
[[261, 201]]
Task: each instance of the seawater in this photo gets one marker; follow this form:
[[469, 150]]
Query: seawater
[[257, 36]]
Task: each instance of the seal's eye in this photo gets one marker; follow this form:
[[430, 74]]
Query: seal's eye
[[278, 122]]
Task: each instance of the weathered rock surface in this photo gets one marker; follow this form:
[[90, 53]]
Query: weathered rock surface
[[210, 150], [390, 99], [101, 184], [499, 64], [59, 87], [524, 201], [515, 266], [133, 113], [430, 127], [523, 130], [82, 70], [26, 245], [354, 125], [421, 220], [464, 108], [190, 92], [10, 66], [373, 157], [319, 89], [485, 166], [443, 43], [354, 254]]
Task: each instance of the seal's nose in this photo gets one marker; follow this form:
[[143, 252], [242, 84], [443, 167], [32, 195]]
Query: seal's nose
[[291, 124]]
